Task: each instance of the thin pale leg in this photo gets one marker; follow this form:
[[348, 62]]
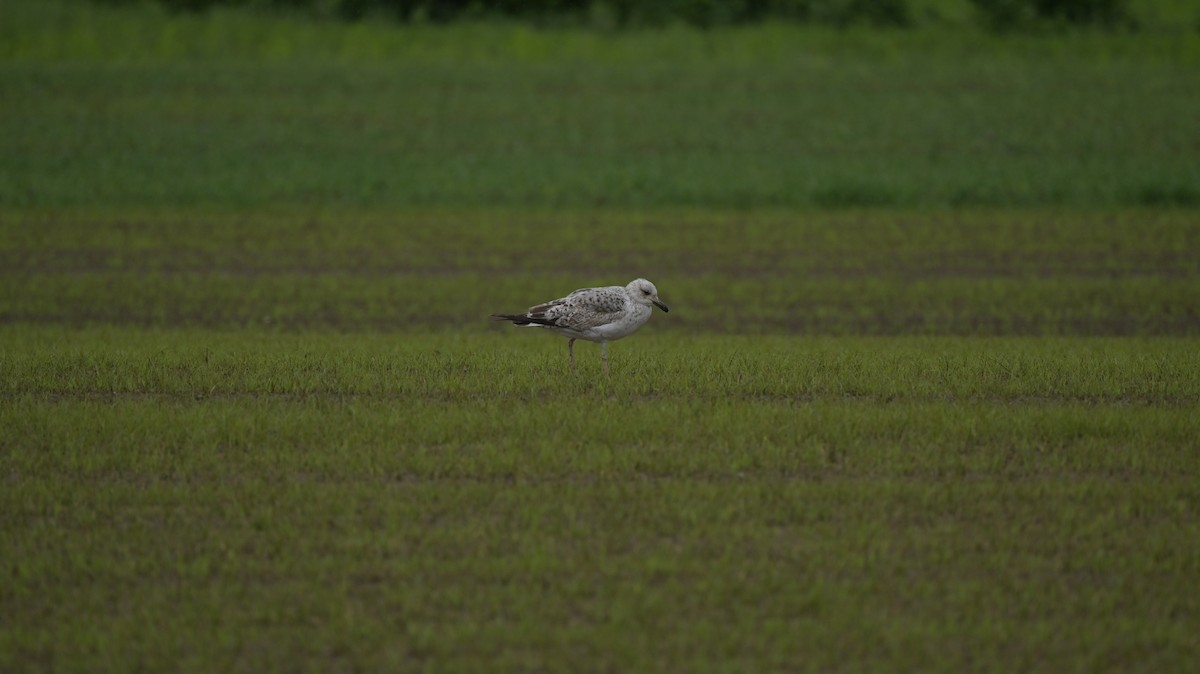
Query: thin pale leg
[[604, 355], [571, 352]]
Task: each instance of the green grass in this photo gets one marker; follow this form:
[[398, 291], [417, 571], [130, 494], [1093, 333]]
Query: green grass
[[925, 400], [726, 136], [238, 501], [135, 109], [862, 272], [294, 441]]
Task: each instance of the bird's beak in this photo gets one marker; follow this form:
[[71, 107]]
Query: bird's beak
[[660, 305]]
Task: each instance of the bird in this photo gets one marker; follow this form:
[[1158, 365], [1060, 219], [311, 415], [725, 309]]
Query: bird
[[594, 314]]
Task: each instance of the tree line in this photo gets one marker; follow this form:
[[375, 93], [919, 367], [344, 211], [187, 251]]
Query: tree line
[[995, 14]]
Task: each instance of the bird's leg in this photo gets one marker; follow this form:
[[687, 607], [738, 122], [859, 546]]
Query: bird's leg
[[604, 355], [571, 352]]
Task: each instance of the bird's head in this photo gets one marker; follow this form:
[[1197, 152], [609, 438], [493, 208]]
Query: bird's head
[[644, 292]]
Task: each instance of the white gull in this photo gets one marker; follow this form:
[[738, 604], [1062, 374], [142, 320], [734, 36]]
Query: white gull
[[595, 314]]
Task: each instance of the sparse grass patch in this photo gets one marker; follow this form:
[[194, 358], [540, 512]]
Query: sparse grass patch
[[1177, 196]]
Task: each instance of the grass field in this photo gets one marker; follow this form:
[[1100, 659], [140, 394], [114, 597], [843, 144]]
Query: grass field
[[257, 442], [118, 110], [854, 273], [725, 135], [925, 400], [246, 501]]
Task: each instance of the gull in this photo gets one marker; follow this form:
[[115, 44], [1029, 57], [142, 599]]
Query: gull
[[594, 314]]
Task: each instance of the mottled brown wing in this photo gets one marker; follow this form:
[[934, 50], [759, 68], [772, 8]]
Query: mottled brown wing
[[585, 308]]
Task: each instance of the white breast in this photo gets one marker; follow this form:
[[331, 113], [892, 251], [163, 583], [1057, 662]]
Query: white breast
[[635, 316]]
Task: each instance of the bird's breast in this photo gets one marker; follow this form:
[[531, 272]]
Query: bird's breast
[[634, 318]]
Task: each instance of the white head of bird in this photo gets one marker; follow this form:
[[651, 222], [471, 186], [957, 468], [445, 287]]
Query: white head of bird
[[643, 292]]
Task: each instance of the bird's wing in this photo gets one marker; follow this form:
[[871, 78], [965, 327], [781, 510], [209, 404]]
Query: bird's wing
[[583, 309]]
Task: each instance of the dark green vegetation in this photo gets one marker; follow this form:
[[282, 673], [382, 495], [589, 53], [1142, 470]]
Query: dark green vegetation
[[610, 14], [120, 110], [925, 401], [826, 134]]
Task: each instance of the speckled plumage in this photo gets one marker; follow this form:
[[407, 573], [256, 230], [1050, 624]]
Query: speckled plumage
[[595, 314]]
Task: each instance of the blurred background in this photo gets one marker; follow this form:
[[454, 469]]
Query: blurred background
[[796, 103], [606, 14]]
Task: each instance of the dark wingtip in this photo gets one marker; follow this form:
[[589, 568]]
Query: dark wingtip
[[525, 319]]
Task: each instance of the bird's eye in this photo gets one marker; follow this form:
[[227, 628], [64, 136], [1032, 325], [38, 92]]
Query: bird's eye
[[645, 291]]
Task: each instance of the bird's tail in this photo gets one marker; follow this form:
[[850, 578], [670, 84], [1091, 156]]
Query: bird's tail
[[523, 319]]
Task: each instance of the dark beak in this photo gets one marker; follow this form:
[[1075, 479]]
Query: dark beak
[[662, 306]]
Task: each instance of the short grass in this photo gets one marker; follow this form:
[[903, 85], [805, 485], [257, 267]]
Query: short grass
[[925, 400], [852, 273], [293, 441], [242, 501]]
